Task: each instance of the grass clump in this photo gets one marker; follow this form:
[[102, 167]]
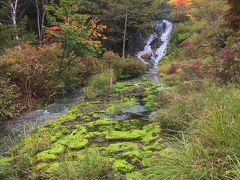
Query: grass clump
[[6, 169], [100, 84], [91, 166]]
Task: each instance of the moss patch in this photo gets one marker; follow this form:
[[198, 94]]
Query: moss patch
[[128, 144]]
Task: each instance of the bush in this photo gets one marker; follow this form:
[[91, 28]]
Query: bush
[[91, 166], [128, 69], [9, 100], [32, 70], [228, 66], [100, 83], [124, 68]]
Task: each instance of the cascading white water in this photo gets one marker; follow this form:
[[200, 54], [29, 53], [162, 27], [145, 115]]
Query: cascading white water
[[164, 28], [147, 48]]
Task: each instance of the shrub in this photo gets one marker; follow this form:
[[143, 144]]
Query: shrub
[[9, 100], [32, 70], [100, 83], [128, 69], [91, 166], [124, 68], [173, 68], [228, 66]]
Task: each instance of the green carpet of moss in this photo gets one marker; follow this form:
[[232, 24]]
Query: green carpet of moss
[[130, 144]]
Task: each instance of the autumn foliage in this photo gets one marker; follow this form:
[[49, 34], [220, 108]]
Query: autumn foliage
[[180, 3]]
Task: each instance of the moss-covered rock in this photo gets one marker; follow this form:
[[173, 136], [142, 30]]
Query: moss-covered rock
[[123, 166], [117, 148], [127, 136], [45, 156], [77, 144], [134, 176]]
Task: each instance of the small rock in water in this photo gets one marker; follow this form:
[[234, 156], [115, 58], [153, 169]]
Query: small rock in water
[[137, 109]]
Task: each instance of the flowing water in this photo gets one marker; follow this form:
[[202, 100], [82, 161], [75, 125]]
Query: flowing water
[[14, 130], [162, 33]]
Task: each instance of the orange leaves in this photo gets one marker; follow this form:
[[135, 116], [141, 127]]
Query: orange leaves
[[96, 29], [180, 3]]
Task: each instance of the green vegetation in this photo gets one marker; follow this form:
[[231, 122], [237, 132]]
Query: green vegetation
[[85, 143], [130, 129]]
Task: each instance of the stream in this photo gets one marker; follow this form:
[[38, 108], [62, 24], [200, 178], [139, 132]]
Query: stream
[[15, 130]]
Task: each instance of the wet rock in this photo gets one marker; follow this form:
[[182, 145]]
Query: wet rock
[[137, 109]]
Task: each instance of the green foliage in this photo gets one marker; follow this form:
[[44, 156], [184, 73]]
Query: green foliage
[[9, 100], [6, 169], [124, 68], [77, 33], [100, 83]]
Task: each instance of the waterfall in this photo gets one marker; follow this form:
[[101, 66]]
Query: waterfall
[[162, 31]]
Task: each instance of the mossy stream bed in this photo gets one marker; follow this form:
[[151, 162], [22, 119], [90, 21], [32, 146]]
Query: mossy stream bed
[[117, 125]]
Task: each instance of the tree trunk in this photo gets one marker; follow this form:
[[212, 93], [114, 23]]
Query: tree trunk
[[125, 31], [40, 19], [14, 17]]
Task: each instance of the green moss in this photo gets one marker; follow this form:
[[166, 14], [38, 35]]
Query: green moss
[[146, 162], [87, 125], [132, 154], [56, 136], [128, 135], [58, 149], [134, 176], [41, 166], [127, 125], [104, 122], [146, 153], [53, 168], [149, 138], [75, 140], [45, 156], [122, 166], [77, 144], [120, 105], [117, 148], [154, 147]]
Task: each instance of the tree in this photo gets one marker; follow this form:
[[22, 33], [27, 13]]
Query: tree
[[41, 15], [78, 34], [14, 10], [180, 7], [126, 19], [180, 3]]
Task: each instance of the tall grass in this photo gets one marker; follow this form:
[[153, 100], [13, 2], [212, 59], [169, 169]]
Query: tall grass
[[209, 119], [91, 166]]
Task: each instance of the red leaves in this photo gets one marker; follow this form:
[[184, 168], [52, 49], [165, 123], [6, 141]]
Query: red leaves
[[54, 28], [173, 68], [196, 65]]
